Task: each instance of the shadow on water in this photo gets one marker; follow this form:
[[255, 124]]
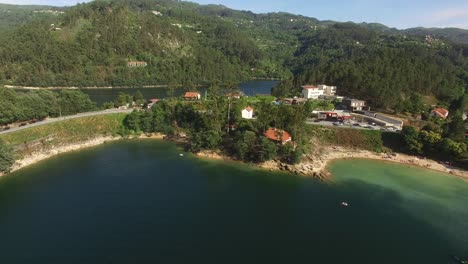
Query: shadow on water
[[130, 202]]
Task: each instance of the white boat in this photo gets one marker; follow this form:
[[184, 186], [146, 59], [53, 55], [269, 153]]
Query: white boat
[[344, 204], [181, 154]]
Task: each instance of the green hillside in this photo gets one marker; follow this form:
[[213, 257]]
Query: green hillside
[[189, 44]]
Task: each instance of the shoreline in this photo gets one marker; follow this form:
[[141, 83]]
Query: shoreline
[[316, 165], [22, 87], [313, 165], [334, 153], [41, 155], [86, 87]]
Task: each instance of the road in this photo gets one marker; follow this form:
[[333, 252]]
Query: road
[[116, 111], [58, 119]]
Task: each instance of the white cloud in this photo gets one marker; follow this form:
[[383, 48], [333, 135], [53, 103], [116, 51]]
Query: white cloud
[[449, 17]]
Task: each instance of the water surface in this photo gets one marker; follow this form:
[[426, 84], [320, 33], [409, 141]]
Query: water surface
[[140, 202], [250, 88]]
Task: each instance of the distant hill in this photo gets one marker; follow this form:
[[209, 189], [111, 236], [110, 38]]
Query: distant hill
[[12, 16], [143, 42], [456, 35]]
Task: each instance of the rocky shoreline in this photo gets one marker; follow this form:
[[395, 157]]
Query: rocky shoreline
[[54, 150], [313, 165], [316, 164]]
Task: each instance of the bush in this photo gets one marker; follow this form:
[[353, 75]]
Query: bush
[[6, 157]]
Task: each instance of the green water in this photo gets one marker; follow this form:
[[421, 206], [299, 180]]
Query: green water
[[140, 202]]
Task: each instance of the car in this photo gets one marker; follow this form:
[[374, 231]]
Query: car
[[337, 124], [357, 124], [6, 128], [369, 126], [22, 124]]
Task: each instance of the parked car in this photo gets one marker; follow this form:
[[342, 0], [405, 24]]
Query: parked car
[[23, 124]]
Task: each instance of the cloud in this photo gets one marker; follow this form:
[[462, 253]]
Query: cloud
[[449, 17]]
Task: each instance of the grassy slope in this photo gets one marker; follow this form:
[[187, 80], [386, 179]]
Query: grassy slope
[[68, 131], [372, 140]]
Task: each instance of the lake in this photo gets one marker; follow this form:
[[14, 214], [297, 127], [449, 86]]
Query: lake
[[250, 88], [140, 202]]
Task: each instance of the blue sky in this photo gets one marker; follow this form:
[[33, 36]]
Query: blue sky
[[394, 13]]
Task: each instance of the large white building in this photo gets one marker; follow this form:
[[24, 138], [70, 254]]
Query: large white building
[[313, 92]]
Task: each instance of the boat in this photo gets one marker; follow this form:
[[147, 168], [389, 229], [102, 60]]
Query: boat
[[344, 204], [181, 154]]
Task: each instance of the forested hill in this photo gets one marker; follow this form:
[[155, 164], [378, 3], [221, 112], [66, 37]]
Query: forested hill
[[13, 16], [186, 43]]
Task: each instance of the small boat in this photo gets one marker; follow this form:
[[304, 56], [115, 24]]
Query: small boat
[[181, 154], [344, 204]]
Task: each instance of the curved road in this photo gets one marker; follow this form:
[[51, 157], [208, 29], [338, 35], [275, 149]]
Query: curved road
[[58, 119], [116, 111]]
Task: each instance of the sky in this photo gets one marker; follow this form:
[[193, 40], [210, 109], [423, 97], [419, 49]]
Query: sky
[[394, 13]]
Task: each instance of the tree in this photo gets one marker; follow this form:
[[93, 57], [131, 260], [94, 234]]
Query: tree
[[456, 128], [75, 101], [123, 99], [6, 157], [138, 98], [454, 149], [411, 138], [132, 121], [430, 140]]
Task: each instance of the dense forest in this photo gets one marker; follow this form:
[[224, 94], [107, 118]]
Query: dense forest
[[208, 127], [38, 104], [183, 43], [385, 70]]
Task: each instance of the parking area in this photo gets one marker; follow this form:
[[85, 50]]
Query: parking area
[[355, 123]]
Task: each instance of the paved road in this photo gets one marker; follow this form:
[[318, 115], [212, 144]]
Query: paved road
[[115, 111], [58, 119]]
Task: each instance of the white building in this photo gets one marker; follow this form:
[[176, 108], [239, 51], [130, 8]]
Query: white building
[[314, 92], [247, 113]]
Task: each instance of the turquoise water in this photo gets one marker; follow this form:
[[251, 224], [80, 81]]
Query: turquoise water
[[140, 202]]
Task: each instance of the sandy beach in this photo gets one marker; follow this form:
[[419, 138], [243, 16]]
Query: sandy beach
[[316, 164]]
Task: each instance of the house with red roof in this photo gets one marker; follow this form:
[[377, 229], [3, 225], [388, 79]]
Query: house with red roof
[[247, 113], [440, 112], [277, 135], [192, 96], [152, 101]]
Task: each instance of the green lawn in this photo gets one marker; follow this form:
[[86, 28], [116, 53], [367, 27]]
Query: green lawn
[[67, 131]]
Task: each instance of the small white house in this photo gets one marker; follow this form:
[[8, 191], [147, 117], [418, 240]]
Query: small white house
[[247, 113]]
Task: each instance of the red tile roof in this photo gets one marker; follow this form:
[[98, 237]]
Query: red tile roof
[[277, 135], [442, 112], [191, 95], [310, 87], [248, 108], [154, 100]]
